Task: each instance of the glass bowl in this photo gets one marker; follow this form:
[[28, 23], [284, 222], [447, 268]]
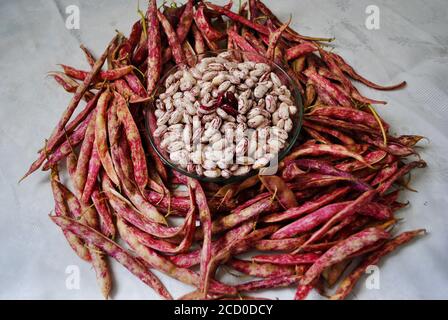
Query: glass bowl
[[238, 56]]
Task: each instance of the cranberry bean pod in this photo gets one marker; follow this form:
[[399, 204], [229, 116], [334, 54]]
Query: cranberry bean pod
[[101, 137], [153, 45], [135, 143], [342, 250], [175, 44], [309, 206], [350, 281], [114, 250]]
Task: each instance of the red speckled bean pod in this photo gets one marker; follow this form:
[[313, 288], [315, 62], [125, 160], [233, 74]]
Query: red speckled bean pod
[[189, 53], [187, 260], [124, 209], [376, 210], [134, 37], [342, 250], [156, 261], [254, 41], [67, 83], [175, 44], [199, 43], [317, 150], [185, 21], [89, 56], [111, 248], [101, 137], [89, 217], [342, 125], [317, 136], [287, 259], [59, 131], [236, 218], [206, 224], [333, 91], [309, 206], [153, 45], [109, 75], [71, 163], [136, 85], [245, 46], [253, 11], [310, 221], [92, 175], [180, 205], [90, 106], [315, 180], [392, 148], [274, 37], [374, 258], [346, 212], [336, 72], [182, 29], [289, 244], [327, 168], [291, 171], [238, 246], [345, 139], [123, 88], [303, 291], [167, 247], [384, 187], [107, 225], [261, 270], [61, 210], [283, 194], [371, 158], [237, 18], [353, 74], [135, 143], [204, 25], [385, 173], [341, 225], [353, 115], [141, 52], [300, 50], [67, 147], [409, 140], [269, 283], [85, 153]]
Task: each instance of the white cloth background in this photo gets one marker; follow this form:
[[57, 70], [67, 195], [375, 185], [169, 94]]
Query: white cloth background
[[411, 45]]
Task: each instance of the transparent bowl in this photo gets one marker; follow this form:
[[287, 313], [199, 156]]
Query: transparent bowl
[[240, 56]]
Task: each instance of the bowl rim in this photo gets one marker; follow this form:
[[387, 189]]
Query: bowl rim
[[220, 180]]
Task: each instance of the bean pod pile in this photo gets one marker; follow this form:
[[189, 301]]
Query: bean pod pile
[[324, 217]]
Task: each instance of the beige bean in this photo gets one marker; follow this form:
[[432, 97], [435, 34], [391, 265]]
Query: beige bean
[[160, 131], [260, 91], [242, 170], [226, 174], [256, 121], [212, 173], [283, 111], [224, 86], [293, 110], [275, 80], [164, 118], [288, 125], [176, 117], [208, 76]]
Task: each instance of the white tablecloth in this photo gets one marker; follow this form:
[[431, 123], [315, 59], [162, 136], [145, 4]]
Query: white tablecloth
[[411, 45]]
